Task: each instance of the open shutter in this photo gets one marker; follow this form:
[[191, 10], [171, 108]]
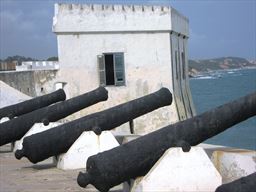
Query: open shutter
[[119, 69], [102, 74]]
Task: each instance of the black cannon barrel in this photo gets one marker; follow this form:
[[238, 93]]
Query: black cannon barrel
[[137, 157], [16, 128], [244, 184], [32, 104], [59, 139]]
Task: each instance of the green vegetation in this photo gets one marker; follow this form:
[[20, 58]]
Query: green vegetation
[[20, 59], [53, 59]]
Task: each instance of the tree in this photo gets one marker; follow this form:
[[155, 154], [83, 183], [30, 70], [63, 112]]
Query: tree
[[19, 59], [54, 58]]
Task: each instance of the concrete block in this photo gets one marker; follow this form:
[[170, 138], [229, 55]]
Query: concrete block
[[179, 171], [210, 148], [38, 127], [233, 164], [4, 119], [86, 145], [128, 138], [125, 138]]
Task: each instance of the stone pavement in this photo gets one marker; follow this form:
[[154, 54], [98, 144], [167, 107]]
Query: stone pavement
[[23, 176]]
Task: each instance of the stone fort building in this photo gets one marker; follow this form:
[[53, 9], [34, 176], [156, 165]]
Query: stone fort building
[[131, 50]]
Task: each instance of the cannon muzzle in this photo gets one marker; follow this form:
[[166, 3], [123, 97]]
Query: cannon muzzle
[[58, 140], [137, 157], [83, 179]]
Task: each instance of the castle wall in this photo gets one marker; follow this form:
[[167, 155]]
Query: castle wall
[[141, 33], [32, 83], [146, 70]]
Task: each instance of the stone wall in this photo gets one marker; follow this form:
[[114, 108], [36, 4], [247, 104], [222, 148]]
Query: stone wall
[[32, 83], [143, 35]]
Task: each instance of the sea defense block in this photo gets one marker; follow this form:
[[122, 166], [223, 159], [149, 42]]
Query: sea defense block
[[86, 145], [178, 171], [233, 164]]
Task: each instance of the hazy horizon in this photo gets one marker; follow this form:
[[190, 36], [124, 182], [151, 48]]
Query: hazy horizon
[[217, 28]]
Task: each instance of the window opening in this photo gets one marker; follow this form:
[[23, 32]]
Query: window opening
[[111, 69], [176, 63], [183, 64]]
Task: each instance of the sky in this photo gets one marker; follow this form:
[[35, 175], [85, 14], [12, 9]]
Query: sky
[[218, 28]]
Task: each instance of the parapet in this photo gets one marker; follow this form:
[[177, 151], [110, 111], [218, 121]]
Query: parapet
[[84, 18]]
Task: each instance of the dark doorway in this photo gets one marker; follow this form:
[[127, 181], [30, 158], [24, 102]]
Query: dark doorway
[[109, 67]]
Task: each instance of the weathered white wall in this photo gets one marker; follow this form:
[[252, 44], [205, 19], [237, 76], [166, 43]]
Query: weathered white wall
[[100, 18], [147, 69], [179, 23], [117, 18], [142, 33]]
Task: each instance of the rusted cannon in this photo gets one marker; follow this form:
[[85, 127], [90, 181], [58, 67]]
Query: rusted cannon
[[59, 139], [32, 104], [16, 128], [137, 157], [244, 184]]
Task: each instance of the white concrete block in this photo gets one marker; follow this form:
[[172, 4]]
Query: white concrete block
[[233, 164], [38, 127], [210, 148], [86, 145], [178, 171], [128, 138], [125, 138], [4, 119]]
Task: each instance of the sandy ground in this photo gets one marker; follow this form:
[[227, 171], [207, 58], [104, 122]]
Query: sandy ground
[[23, 176]]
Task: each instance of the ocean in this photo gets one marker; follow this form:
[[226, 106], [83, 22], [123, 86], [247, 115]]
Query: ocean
[[213, 89]]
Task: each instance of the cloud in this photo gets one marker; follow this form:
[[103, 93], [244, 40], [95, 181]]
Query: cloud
[[26, 29]]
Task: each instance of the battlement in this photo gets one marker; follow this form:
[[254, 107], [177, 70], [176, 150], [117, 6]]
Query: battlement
[[112, 8], [96, 18], [38, 65]]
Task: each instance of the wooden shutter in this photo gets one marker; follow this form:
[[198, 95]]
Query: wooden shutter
[[101, 66], [119, 69]]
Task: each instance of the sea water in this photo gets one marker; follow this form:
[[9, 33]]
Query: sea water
[[213, 89]]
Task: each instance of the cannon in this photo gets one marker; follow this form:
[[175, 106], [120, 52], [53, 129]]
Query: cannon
[[32, 104], [59, 139], [16, 128], [137, 157], [244, 184]]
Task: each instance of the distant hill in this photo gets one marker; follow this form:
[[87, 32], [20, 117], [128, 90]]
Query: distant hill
[[207, 65]]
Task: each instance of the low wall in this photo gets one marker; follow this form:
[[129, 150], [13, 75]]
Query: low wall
[[32, 83]]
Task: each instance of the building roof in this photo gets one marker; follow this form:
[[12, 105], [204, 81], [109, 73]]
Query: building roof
[[84, 18]]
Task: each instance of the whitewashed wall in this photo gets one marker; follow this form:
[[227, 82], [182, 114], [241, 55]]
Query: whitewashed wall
[[142, 33], [147, 69]]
